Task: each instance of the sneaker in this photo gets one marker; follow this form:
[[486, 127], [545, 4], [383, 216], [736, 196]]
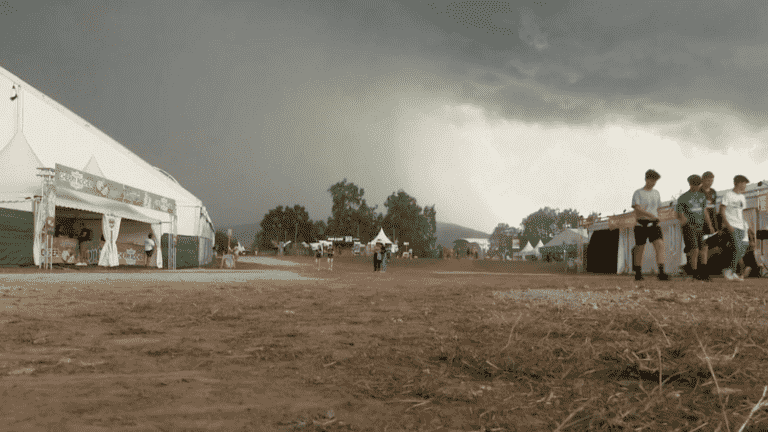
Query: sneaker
[[663, 276], [728, 274], [639, 277]]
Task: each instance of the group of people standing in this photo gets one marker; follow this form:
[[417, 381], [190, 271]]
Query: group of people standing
[[329, 253], [381, 254], [380, 257], [699, 221]]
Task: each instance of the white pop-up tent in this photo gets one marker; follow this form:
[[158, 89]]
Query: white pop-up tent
[[383, 239], [37, 132], [537, 248], [527, 250]]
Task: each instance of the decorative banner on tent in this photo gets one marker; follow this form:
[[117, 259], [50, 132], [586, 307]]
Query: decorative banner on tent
[[762, 202], [70, 178], [65, 251], [627, 220]]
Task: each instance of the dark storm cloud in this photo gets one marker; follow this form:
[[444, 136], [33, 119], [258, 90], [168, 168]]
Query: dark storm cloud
[[250, 97], [593, 61]]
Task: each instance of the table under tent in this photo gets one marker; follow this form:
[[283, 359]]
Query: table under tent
[[611, 239]]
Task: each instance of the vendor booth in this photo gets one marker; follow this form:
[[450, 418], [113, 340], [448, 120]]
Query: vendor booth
[[66, 186]]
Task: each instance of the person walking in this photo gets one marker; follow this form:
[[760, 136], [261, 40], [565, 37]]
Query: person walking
[[82, 245], [711, 225], [377, 257], [149, 248], [646, 201], [318, 255], [735, 226], [384, 255], [690, 211], [331, 251]]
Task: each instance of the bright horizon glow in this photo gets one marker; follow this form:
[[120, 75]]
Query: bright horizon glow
[[506, 170]]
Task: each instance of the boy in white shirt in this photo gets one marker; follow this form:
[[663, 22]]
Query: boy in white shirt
[[732, 208], [149, 248], [646, 201]]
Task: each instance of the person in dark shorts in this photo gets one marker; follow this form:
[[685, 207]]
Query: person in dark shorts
[[377, 252], [711, 224], [318, 255], [645, 202], [690, 212], [330, 257], [82, 240], [149, 248], [749, 264]]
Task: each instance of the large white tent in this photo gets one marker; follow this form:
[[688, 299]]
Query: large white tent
[[37, 132], [536, 249]]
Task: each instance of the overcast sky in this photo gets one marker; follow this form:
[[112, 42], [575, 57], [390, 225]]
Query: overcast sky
[[487, 109]]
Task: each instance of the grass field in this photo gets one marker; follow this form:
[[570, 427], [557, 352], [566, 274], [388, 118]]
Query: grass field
[[492, 346]]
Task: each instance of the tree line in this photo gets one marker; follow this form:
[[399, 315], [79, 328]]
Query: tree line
[[542, 224], [351, 215]]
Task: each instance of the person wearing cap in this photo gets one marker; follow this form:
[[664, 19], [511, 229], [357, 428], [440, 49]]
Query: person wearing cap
[[690, 211], [646, 201], [732, 208]]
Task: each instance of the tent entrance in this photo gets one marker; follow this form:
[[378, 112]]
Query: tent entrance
[[68, 248]]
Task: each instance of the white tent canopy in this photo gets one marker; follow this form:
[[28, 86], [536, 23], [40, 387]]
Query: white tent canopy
[[37, 132], [380, 238], [568, 236], [30, 123], [527, 250]]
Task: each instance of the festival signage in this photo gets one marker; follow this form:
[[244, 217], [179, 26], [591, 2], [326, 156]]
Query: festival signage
[[70, 178], [627, 220], [65, 251]]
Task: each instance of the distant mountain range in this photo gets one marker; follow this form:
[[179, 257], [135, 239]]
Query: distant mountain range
[[446, 233]]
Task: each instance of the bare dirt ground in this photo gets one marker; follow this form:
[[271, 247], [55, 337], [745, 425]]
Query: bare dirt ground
[[430, 345]]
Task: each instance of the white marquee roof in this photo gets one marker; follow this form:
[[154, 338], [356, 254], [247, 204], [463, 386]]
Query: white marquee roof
[[36, 131]]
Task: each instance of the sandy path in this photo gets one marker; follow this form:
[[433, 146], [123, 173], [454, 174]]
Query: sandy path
[[10, 281]]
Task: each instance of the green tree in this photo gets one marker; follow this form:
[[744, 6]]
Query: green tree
[[407, 222], [545, 223], [283, 224], [368, 221], [220, 242], [502, 239], [319, 230], [347, 200], [430, 228], [568, 218]]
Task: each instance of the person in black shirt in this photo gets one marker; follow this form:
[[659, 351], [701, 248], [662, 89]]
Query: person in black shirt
[[82, 239]]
